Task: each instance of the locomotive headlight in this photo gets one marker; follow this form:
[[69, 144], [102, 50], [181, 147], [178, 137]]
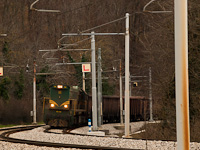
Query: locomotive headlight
[[65, 106], [59, 86], [52, 105]]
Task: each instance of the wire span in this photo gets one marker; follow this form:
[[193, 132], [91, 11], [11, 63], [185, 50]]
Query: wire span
[[103, 24]]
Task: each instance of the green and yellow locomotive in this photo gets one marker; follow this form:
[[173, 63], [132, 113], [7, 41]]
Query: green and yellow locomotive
[[66, 106]]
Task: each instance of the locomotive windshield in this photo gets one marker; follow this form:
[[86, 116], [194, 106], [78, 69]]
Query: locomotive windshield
[[59, 94]]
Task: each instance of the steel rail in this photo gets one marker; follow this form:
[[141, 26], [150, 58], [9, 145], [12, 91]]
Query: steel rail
[[5, 137], [81, 134]]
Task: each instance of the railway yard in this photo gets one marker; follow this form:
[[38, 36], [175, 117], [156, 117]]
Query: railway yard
[[80, 140]]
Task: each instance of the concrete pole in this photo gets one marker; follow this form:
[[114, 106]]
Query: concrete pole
[[99, 88], [181, 70], [83, 81], [120, 87], [130, 86], [150, 95], [101, 94], [127, 98], [34, 93], [94, 88]]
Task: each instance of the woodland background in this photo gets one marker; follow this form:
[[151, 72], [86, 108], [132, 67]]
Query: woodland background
[[151, 45]]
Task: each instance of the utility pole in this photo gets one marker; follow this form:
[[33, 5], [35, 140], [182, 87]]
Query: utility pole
[[94, 89], [130, 84], [150, 95], [34, 93], [120, 87], [99, 89], [94, 101], [127, 74], [181, 72]]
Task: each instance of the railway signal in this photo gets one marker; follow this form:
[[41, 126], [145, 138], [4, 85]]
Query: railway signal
[[27, 68], [135, 84], [1, 71], [86, 68]]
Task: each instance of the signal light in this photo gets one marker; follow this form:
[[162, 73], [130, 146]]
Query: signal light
[[59, 86], [52, 105], [27, 68], [65, 106], [135, 84]]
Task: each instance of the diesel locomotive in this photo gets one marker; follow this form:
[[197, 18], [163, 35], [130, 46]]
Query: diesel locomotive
[[70, 106], [66, 106]]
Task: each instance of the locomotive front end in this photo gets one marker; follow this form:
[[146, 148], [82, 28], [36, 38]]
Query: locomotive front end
[[57, 108]]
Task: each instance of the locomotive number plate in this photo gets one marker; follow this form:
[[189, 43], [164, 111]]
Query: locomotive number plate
[[58, 111]]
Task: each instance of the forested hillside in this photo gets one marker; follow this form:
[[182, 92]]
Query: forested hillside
[[151, 45]]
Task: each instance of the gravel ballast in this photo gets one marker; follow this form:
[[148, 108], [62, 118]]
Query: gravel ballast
[[14, 146], [39, 135]]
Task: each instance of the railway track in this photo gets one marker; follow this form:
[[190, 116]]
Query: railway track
[[4, 136]]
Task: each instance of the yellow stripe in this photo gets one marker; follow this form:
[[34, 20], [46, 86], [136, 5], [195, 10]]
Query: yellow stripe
[[65, 103], [52, 102]]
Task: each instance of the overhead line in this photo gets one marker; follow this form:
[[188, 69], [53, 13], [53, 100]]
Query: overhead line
[[83, 30], [75, 43], [103, 25], [75, 9], [31, 30], [90, 29]]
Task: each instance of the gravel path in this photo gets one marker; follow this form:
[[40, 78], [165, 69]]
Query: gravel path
[[38, 135]]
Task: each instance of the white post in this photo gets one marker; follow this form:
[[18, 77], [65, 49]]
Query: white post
[[83, 81], [89, 125], [181, 70], [34, 94], [127, 98], [94, 88]]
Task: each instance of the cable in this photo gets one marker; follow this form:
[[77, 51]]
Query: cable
[[30, 30], [75, 9], [109, 22], [65, 45], [72, 11], [103, 25]]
